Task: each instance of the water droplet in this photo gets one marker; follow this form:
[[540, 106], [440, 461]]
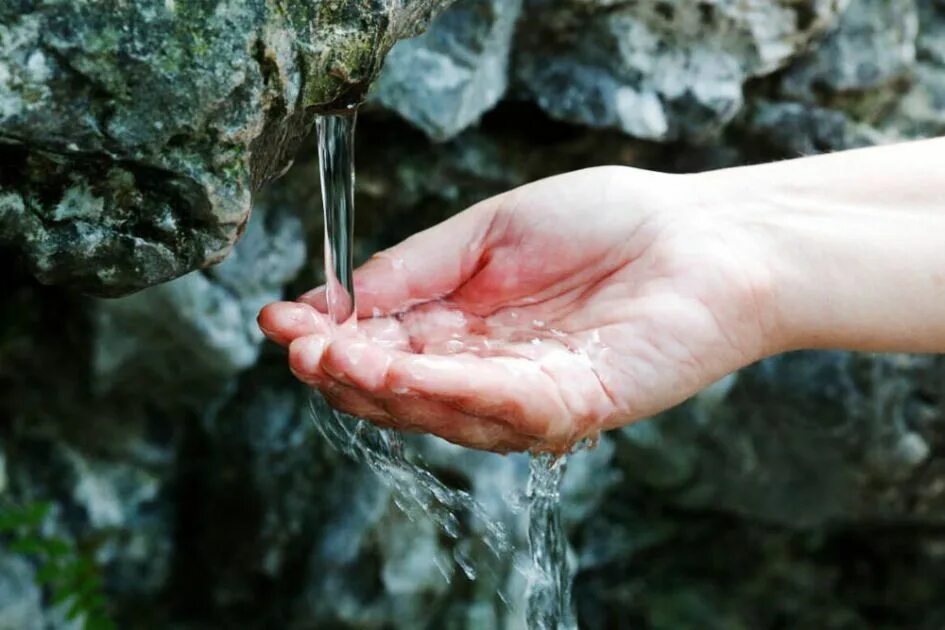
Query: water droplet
[[464, 562]]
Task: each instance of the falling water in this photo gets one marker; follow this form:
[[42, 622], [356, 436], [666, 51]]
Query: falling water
[[415, 489], [336, 166], [548, 595]]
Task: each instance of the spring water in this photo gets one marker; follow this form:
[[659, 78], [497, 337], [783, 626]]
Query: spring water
[[416, 491]]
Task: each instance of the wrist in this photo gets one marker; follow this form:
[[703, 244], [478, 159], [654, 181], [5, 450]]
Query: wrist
[[744, 213], [852, 246]]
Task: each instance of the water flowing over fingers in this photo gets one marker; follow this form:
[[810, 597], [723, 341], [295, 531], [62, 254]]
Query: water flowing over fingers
[[415, 490]]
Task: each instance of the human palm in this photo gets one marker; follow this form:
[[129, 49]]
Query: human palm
[[542, 316]]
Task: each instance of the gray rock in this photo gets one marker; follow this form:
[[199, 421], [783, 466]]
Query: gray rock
[[445, 79], [920, 112], [795, 129], [803, 439], [201, 327], [20, 595], [659, 70], [863, 64], [109, 494], [133, 136]]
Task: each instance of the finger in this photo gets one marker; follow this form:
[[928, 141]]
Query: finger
[[305, 357], [357, 362], [283, 322], [424, 267], [355, 403], [455, 426], [385, 331], [512, 390], [509, 390]]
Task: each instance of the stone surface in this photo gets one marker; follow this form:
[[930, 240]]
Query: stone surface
[[844, 437], [201, 326], [659, 70], [445, 79], [132, 137], [871, 52]]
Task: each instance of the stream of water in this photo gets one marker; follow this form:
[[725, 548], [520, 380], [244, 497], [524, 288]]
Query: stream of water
[[415, 490]]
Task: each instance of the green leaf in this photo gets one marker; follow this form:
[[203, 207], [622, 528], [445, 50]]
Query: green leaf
[[61, 595], [30, 545], [36, 513], [98, 622], [58, 548], [48, 573]]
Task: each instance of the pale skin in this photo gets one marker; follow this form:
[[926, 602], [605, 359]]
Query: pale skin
[[594, 299]]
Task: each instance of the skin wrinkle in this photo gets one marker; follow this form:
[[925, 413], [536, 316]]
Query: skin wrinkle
[[746, 288], [562, 433]]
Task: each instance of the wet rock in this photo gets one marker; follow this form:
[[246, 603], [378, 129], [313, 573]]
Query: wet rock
[[131, 139], [659, 70], [445, 79]]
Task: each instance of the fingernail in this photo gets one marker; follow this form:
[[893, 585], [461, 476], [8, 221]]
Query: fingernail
[[291, 314]]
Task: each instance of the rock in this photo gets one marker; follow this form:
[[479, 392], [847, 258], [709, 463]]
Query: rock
[[863, 64], [200, 327], [838, 437], [920, 112], [20, 595], [659, 70], [793, 129], [131, 139], [445, 79], [109, 487]]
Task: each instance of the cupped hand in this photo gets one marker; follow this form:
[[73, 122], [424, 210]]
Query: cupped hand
[[544, 315]]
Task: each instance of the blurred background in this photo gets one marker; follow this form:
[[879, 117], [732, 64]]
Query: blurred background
[[157, 454]]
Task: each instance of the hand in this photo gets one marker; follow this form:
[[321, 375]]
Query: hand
[[542, 316]]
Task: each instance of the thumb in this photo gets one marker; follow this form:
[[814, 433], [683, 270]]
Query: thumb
[[427, 266]]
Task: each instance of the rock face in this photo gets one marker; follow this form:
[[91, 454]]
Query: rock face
[[445, 79], [659, 70], [133, 136], [807, 491]]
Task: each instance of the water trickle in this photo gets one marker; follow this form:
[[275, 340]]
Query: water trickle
[[336, 165], [548, 595], [415, 490]]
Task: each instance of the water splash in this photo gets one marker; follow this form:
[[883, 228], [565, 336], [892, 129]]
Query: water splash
[[415, 490], [548, 594]]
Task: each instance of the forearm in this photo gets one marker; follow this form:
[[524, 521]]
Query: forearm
[[857, 245]]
